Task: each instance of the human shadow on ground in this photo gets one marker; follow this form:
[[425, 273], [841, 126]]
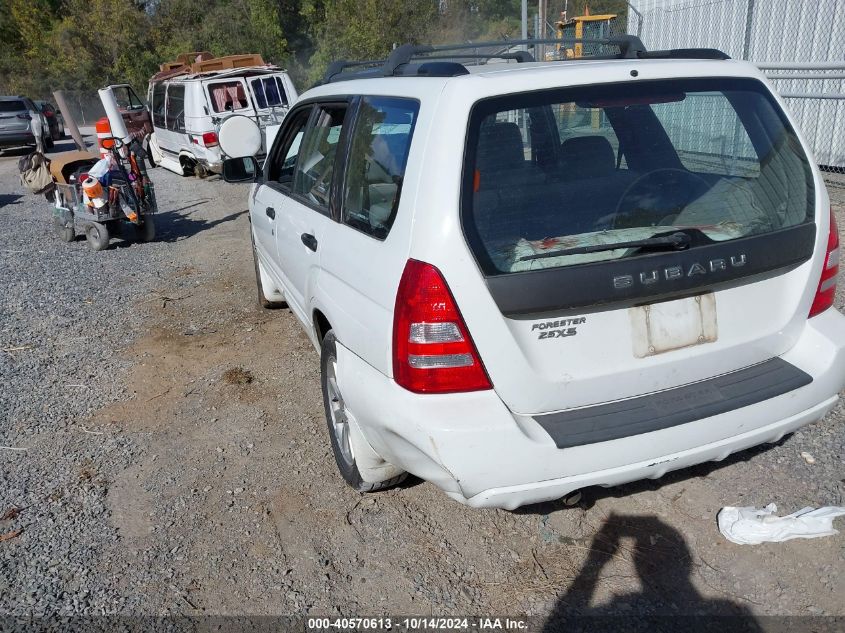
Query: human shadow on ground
[[665, 600], [9, 199]]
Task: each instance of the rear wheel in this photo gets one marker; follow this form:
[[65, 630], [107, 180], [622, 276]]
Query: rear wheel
[[188, 165], [340, 430], [97, 235], [153, 151], [147, 231]]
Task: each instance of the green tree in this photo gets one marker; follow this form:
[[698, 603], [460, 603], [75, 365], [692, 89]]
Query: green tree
[[365, 29]]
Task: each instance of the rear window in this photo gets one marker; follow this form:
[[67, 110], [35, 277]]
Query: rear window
[[12, 106], [269, 92], [228, 96], [558, 178]]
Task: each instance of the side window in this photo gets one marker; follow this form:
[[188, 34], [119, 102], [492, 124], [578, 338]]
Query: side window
[[314, 170], [175, 115], [158, 104], [377, 158], [228, 96], [708, 135], [283, 161]]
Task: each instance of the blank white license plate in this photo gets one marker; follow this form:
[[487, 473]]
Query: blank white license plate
[[670, 325]]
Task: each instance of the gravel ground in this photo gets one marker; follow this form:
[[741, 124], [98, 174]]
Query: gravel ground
[[176, 462]]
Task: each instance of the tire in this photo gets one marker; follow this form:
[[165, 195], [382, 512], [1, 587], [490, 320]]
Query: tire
[[147, 231], [338, 424], [65, 233], [263, 301], [97, 235], [152, 149], [188, 165]]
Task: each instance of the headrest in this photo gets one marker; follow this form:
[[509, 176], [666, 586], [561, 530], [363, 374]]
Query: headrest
[[587, 157], [500, 147]]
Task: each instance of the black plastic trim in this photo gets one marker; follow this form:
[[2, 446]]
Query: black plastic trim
[[587, 285], [673, 407]]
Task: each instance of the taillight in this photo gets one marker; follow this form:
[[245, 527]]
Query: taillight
[[209, 139], [826, 292], [432, 349]]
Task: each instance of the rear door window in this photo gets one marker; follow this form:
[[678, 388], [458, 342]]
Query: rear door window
[[228, 96], [555, 179], [378, 154], [269, 92]]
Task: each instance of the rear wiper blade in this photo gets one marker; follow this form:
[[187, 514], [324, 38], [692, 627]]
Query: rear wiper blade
[[676, 241]]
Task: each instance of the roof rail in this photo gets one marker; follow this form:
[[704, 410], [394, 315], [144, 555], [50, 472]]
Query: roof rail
[[399, 62]]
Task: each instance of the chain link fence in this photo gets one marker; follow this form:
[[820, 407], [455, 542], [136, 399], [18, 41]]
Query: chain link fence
[[85, 106], [799, 46]]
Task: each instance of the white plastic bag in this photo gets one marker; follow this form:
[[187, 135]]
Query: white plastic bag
[[751, 526], [100, 168]]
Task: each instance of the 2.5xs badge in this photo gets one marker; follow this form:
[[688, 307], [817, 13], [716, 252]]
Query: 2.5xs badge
[[562, 328]]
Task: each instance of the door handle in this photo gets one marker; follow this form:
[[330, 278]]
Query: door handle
[[309, 240], [271, 213]]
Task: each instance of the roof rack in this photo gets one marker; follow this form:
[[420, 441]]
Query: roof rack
[[432, 64]]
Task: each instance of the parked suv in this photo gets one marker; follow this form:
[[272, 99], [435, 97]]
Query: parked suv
[[55, 120], [20, 118], [529, 278]]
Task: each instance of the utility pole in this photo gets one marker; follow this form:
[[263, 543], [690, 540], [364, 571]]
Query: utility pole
[[541, 31], [524, 33]]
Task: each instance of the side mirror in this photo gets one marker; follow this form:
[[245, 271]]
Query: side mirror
[[243, 169]]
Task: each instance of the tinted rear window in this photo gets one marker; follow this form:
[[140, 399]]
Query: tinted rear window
[[12, 106], [549, 172]]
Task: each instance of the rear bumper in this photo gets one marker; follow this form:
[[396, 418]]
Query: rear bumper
[[16, 139], [476, 450]]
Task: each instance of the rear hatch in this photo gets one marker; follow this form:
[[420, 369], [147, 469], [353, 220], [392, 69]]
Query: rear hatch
[[14, 117], [635, 237]]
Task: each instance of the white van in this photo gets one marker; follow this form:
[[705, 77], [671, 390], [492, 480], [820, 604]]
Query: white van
[[187, 111]]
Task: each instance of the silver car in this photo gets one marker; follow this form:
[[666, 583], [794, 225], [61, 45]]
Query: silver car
[[20, 122]]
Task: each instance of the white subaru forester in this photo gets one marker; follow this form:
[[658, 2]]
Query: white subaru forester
[[527, 278]]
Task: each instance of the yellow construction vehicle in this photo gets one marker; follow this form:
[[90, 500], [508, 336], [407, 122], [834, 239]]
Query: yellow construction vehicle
[[593, 27]]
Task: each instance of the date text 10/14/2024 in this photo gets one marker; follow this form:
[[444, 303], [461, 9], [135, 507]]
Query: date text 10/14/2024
[[417, 624]]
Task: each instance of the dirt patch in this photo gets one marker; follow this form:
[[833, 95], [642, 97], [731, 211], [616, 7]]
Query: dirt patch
[[238, 376]]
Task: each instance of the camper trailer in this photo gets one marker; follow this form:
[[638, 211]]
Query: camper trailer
[[191, 97]]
